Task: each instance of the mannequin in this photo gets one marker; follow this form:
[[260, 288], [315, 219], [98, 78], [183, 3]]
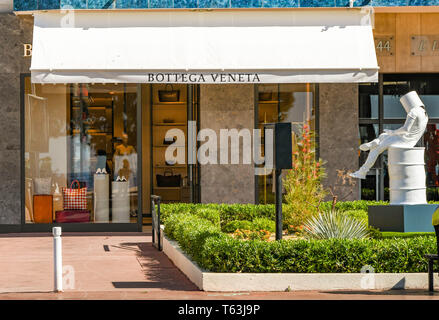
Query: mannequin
[[125, 161], [405, 137]]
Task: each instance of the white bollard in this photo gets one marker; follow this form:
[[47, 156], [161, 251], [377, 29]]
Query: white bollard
[[57, 259]]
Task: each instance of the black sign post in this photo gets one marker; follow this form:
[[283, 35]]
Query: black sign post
[[282, 159]]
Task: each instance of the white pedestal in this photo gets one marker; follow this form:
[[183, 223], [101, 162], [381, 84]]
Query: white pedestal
[[407, 176], [101, 198], [121, 202]]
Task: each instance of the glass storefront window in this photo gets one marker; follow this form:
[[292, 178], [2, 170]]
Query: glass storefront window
[[294, 103], [81, 153], [368, 104], [394, 86]]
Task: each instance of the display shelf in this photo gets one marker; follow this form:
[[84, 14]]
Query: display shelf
[[179, 103], [269, 102], [162, 113], [163, 188], [170, 124]]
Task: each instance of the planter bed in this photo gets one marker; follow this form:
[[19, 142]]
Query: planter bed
[[217, 261], [241, 282]]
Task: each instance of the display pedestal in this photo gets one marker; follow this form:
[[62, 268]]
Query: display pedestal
[[402, 218], [121, 202], [101, 198], [407, 176]]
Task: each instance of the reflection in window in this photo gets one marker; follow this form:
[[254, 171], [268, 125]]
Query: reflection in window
[[294, 103], [80, 153], [368, 104]]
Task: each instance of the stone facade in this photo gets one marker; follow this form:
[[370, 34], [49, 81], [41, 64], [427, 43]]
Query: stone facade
[[339, 137], [227, 107], [15, 32]]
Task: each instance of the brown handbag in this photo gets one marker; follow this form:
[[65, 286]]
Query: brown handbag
[[169, 95], [43, 208]]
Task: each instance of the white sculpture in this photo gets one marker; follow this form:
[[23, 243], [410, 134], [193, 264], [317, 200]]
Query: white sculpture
[[405, 137]]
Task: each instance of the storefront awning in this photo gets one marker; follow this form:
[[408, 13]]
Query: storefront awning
[[291, 46]]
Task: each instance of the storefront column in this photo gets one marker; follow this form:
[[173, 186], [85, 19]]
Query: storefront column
[[15, 32], [227, 107], [339, 137]]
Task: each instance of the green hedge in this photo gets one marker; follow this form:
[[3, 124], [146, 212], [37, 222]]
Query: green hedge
[[230, 212], [406, 234], [216, 251]]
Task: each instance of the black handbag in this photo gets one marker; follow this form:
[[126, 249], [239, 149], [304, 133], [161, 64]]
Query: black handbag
[[168, 179], [167, 142], [169, 95]]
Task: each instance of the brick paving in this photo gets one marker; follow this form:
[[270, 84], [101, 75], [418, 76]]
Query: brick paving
[[125, 266]]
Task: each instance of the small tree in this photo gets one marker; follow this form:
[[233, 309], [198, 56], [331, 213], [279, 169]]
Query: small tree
[[303, 187]]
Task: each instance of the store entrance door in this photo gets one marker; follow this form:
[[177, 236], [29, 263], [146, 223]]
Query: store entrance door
[[169, 113]]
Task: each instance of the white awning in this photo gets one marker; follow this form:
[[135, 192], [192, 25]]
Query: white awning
[[291, 46]]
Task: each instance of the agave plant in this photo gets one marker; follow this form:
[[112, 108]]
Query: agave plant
[[333, 224]]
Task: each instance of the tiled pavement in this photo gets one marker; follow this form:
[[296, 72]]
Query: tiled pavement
[[123, 266]]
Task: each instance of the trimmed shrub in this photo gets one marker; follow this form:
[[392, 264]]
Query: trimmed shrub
[[360, 215], [264, 224], [218, 252], [407, 234], [210, 214], [234, 225], [351, 205], [231, 212]]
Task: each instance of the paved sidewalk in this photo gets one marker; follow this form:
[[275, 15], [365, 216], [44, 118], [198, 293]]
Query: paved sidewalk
[[124, 266]]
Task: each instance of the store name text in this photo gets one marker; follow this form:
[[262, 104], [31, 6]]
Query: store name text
[[203, 78]]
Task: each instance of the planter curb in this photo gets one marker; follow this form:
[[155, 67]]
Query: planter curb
[[242, 282]]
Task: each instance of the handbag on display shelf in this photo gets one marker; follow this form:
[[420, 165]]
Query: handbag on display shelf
[[168, 179], [169, 141], [169, 95], [42, 207], [43, 185], [65, 216], [75, 199]]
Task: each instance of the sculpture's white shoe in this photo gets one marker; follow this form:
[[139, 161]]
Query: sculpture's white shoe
[[369, 145], [358, 174]]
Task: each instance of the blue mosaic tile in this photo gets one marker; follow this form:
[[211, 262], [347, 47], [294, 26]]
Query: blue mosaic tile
[[185, 4], [317, 3], [132, 4], [213, 3], [246, 3], [280, 3], [76, 4], [160, 3], [423, 2], [25, 5], [48, 4], [101, 4], [388, 3], [357, 3]]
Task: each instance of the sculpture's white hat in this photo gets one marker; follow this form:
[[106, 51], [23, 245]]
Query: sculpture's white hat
[[411, 100]]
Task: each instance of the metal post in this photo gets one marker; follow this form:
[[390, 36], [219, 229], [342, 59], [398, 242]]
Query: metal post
[[278, 187], [430, 275], [57, 259]]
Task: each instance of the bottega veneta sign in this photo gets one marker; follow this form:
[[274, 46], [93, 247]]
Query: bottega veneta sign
[[27, 50], [203, 77]]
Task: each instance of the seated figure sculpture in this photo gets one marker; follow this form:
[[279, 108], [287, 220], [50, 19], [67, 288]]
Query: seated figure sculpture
[[405, 137]]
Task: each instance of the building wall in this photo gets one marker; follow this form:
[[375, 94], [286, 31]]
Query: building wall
[[404, 55], [339, 137], [15, 32], [227, 107]]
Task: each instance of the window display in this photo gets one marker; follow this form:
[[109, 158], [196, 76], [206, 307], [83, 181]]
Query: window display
[[78, 139]]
